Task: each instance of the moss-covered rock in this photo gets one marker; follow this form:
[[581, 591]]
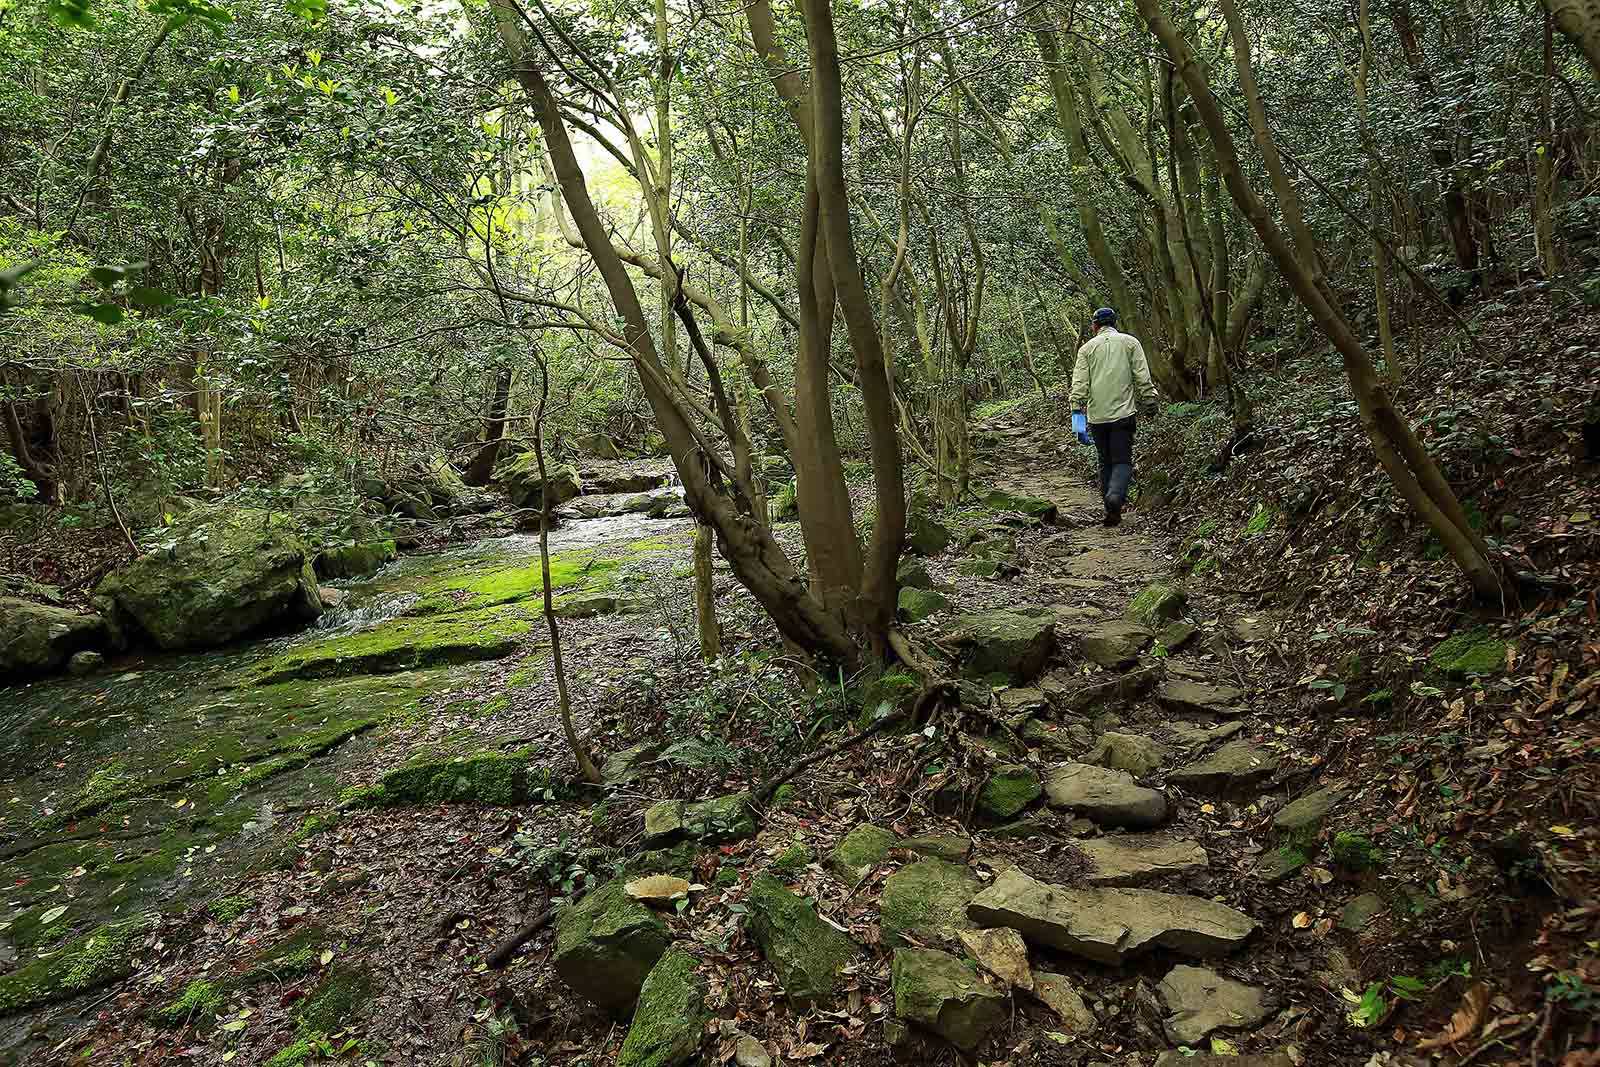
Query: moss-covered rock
[[925, 535], [483, 777], [1007, 791], [1015, 643], [891, 689], [710, 822], [807, 954], [519, 476], [402, 644], [945, 995], [593, 605], [96, 959], [38, 638], [913, 574], [1473, 652], [917, 604], [862, 849], [220, 576], [355, 560], [199, 1002], [606, 945], [791, 861], [926, 900], [667, 1026], [1355, 852], [1033, 507], [1158, 603]]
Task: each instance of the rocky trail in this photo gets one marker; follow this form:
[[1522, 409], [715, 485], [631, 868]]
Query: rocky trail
[[1113, 841]]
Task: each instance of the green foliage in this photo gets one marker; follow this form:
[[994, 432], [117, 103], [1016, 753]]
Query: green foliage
[[1355, 852]]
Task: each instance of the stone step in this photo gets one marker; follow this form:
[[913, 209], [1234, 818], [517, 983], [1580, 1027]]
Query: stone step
[[1133, 859], [1105, 796], [1110, 925]]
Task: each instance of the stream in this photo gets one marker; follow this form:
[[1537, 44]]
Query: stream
[[155, 784]]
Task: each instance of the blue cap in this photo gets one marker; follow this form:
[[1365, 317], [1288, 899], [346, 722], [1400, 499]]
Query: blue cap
[[1105, 317]]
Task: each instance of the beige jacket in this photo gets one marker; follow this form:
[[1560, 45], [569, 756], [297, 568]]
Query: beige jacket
[[1111, 378]]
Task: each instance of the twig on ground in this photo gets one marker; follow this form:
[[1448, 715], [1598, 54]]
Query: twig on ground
[[501, 956]]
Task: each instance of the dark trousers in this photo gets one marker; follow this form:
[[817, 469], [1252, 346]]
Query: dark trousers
[[1113, 444]]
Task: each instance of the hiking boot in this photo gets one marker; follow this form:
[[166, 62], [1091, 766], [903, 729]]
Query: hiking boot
[[1113, 515]]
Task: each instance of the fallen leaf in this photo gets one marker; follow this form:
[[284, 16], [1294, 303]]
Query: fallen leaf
[[52, 915], [1302, 920], [327, 956], [1465, 1020], [658, 888]]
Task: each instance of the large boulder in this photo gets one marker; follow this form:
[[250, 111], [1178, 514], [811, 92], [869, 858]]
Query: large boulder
[[1157, 603], [926, 900], [1115, 643], [1134, 753], [519, 476], [1015, 643], [606, 945], [219, 576], [945, 995], [926, 535], [37, 638], [807, 954], [1110, 925], [671, 1015], [1105, 796], [355, 560]]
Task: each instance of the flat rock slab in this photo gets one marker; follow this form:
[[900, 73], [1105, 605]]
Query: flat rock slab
[[952, 848], [1236, 767], [1187, 733], [1133, 859], [1056, 992], [927, 900], [1114, 643], [1134, 753], [1199, 1000], [1186, 697], [1306, 814], [1013, 642], [1069, 693], [1108, 797], [1110, 925]]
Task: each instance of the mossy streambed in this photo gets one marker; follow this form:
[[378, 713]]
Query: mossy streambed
[[154, 785]]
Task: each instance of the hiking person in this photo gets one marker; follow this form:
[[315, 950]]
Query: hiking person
[[1110, 381]]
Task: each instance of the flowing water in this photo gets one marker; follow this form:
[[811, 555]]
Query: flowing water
[[154, 783]]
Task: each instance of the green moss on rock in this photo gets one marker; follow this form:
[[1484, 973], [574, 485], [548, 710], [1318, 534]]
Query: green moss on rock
[[917, 604], [340, 994], [667, 1026], [227, 909], [486, 777], [293, 957], [945, 995], [791, 861], [926, 900], [36, 638], [606, 945], [1355, 852], [96, 959], [807, 954], [710, 822], [1031, 506], [1157, 603], [402, 644], [925, 535], [200, 1001], [1007, 791], [1476, 651], [862, 849]]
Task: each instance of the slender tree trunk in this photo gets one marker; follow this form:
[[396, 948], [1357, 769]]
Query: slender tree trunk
[[1544, 165], [705, 598], [586, 766], [1378, 199], [1579, 20]]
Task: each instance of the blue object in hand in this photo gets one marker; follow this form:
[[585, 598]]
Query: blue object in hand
[[1080, 427]]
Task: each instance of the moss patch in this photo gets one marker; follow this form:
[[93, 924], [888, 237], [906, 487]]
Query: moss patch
[[1355, 852], [862, 849], [672, 1012], [1007, 791], [1477, 651], [340, 994], [96, 959], [926, 900], [294, 957], [228, 909], [402, 644], [497, 582], [482, 777], [199, 1002], [807, 954], [791, 861]]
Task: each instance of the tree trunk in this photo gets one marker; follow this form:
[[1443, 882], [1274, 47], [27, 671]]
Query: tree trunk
[[1579, 20], [1544, 168], [1411, 470], [756, 558], [705, 599], [481, 469], [1377, 198]]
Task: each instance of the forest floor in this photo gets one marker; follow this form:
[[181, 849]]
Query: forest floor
[[1442, 909]]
